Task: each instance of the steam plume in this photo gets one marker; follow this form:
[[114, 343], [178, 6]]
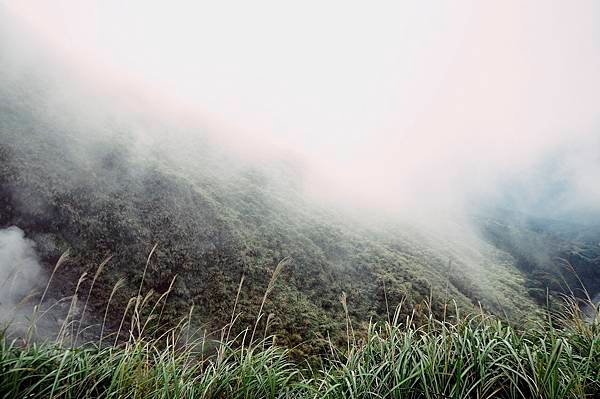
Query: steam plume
[[20, 270]]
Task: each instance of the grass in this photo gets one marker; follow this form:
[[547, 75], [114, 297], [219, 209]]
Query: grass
[[464, 356]]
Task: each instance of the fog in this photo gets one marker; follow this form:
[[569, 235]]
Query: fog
[[414, 118], [409, 108]]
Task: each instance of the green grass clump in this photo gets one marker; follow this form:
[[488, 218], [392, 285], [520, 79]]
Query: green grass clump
[[475, 356], [142, 370]]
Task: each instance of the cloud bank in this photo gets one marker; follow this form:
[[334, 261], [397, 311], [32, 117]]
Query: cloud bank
[[412, 108]]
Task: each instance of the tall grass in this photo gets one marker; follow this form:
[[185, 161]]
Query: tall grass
[[476, 356], [471, 356]]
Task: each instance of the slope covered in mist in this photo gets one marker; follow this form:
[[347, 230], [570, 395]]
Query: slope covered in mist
[[102, 173], [84, 184], [556, 255]]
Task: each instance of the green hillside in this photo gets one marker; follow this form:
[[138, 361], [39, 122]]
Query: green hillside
[[82, 185]]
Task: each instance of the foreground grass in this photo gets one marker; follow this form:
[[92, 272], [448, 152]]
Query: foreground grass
[[473, 356]]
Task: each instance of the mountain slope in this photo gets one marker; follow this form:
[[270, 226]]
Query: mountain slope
[[86, 184]]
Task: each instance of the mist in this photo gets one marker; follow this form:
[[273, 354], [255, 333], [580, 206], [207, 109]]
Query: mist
[[402, 113], [403, 146], [403, 108]]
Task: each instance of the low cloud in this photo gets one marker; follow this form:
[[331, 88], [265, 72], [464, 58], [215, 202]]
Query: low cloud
[[405, 107]]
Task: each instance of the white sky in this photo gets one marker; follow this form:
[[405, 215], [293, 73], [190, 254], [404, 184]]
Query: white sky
[[392, 101]]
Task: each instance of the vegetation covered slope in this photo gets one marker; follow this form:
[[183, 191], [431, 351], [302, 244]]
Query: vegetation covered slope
[[81, 182], [83, 179]]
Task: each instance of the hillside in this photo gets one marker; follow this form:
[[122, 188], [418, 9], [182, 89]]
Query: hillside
[[82, 185]]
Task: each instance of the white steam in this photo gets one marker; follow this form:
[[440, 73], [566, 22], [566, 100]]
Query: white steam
[[20, 270]]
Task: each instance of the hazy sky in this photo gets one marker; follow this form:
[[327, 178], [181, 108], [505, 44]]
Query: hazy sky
[[395, 102]]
